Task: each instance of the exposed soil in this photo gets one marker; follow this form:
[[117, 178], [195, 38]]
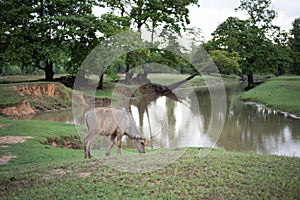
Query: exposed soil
[[38, 97], [19, 110], [41, 89], [69, 142], [5, 159], [13, 139], [3, 125]]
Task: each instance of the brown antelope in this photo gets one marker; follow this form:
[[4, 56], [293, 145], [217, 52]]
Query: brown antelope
[[113, 123]]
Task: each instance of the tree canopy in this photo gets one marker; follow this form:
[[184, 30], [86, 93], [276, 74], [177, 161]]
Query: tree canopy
[[45, 33], [295, 45], [253, 39]]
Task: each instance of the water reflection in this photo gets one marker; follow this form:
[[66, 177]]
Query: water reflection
[[171, 124], [253, 127], [168, 123]]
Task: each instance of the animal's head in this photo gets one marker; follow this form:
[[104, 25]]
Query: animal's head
[[140, 143]]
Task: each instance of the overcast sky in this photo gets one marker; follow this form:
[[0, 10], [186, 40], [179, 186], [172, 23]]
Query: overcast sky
[[213, 12]]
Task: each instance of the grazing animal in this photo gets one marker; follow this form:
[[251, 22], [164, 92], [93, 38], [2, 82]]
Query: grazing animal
[[114, 123]]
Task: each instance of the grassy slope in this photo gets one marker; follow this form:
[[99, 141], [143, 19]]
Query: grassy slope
[[281, 93], [11, 97], [45, 172]]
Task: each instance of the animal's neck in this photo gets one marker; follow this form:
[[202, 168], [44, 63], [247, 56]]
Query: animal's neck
[[131, 136]]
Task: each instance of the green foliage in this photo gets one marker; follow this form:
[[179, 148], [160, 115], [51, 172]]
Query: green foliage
[[259, 12], [261, 45], [295, 46], [228, 63], [172, 15], [295, 42], [10, 70], [43, 33]]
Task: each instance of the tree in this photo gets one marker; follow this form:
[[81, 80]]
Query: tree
[[251, 38], [260, 13], [227, 63], [39, 32], [172, 15], [295, 45]]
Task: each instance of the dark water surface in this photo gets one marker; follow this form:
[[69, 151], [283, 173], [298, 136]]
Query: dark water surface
[[169, 124]]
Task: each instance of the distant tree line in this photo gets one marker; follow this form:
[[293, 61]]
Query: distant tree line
[[257, 45], [56, 36]]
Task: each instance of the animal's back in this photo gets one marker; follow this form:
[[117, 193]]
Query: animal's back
[[106, 120]]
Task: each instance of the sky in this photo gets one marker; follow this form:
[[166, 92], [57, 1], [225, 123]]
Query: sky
[[213, 12]]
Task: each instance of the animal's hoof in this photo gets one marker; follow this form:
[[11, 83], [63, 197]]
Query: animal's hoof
[[107, 154]]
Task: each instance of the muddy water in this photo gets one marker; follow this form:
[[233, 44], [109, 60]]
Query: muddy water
[[248, 127]]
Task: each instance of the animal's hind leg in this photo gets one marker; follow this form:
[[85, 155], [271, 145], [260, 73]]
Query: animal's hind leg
[[88, 144], [112, 138]]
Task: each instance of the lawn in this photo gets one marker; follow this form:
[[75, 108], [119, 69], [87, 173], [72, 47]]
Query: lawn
[[38, 170], [282, 93], [42, 171]]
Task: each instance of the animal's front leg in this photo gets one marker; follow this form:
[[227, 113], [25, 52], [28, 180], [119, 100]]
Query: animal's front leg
[[112, 138], [119, 143]]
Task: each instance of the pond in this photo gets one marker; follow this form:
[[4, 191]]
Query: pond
[[167, 123]]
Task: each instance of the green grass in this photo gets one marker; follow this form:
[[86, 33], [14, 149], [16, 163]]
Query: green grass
[[9, 96], [220, 175], [33, 152], [44, 172], [167, 79], [25, 78], [282, 93], [41, 171], [164, 79]]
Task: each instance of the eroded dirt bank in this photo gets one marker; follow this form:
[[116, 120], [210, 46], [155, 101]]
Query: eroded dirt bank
[[38, 97]]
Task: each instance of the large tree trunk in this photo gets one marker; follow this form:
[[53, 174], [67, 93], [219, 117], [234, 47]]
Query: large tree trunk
[[49, 73], [177, 84], [250, 82], [128, 75], [100, 83]]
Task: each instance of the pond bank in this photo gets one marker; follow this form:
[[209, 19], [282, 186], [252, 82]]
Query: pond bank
[[281, 93], [23, 99]]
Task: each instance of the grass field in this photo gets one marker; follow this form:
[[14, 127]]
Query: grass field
[[42, 171], [167, 79], [9, 96], [282, 93]]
